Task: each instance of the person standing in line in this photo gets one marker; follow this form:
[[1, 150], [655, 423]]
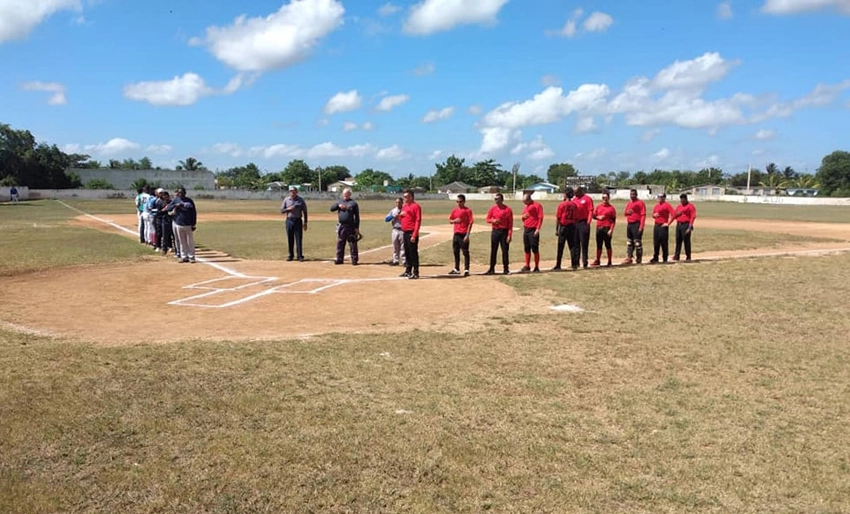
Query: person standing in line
[[150, 210], [185, 219], [501, 218], [462, 219], [662, 214], [411, 221], [606, 217], [13, 194], [584, 220], [163, 220], [348, 227], [635, 220], [685, 215], [397, 233], [295, 209], [140, 201], [565, 230], [532, 220]]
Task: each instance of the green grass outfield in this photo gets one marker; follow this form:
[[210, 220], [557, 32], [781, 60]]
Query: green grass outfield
[[706, 388]]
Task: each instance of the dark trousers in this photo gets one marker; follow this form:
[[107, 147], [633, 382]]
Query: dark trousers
[[660, 241], [345, 233], [499, 239], [583, 234], [411, 253], [530, 242], [458, 246], [634, 241], [295, 234], [141, 229], [603, 239], [164, 234], [682, 236], [567, 236]]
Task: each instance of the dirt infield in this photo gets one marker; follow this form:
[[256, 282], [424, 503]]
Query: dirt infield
[[119, 304]]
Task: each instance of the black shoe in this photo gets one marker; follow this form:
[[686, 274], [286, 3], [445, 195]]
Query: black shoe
[[288, 259], [507, 271], [405, 275], [414, 276], [466, 273], [687, 259], [556, 268], [355, 263], [337, 262], [536, 270], [490, 272], [301, 259], [524, 269], [393, 264], [654, 260], [454, 271]]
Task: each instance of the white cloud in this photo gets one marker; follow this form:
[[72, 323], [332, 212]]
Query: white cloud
[[183, 90], [569, 28], [367, 126], [546, 107], [230, 149], [695, 73], [662, 154], [591, 155], [442, 114], [598, 22], [322, 122], [475, 110], [495, 139], [159, 149], [435, 155], [549, 80], [19, 17], [114, 146], [799, 6], [536, 148], [585, 124], [724, 10], [320, 151], [424, 69], [71, 148], [348, 126], [277, 40], [430, 16], [388, 9], [344, 102], [649, 135], [392, 153], [56, 90], [764, 135], [820, 96], [388, 103]]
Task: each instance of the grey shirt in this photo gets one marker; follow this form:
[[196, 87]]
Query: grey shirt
[[299, 208], [351, 214]]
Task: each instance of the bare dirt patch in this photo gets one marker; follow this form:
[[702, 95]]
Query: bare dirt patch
[[167, 301]]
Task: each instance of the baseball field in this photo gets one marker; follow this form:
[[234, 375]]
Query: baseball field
[[130, 382]]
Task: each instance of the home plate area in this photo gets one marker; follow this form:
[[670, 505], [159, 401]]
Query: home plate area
[[233, 290]]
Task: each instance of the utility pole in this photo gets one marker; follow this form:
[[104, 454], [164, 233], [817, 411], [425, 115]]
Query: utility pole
[[749, 173], [319, 169]]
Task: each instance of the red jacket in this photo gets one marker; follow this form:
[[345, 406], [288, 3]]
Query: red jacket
[[411, 218], [636, 212], [685, 214], [465, 216], [535, 216], [608, 214], [664, 212], [567, 213], [585, 208], [501, 218]]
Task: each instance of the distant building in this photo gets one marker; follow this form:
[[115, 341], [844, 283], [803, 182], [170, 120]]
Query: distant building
[[587, 182], [705, 191], [543, 187], [490, 189], [337, 187], [455, 187], [123, 179]]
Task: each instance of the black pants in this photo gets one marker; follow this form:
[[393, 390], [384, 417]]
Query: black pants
[[295, 234], [583, 235], [530, 240], [411, 254], [683, 236], [603, 239], [164, 234], [660, 241], [634, 241], [568, 236], [458, 246], [499, 239]]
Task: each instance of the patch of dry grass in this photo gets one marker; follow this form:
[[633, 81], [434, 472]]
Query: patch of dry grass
[[710, 387]]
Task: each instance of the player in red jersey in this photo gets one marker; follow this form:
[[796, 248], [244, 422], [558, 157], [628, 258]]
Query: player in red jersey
[[606, 217], [532, 220], [462, 219], [662, 214], [685, 214], [411, 220], [584, 218], [635, 219], [501, 219], [565, 229]]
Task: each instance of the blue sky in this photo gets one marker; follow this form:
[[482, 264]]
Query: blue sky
[[399, 86]]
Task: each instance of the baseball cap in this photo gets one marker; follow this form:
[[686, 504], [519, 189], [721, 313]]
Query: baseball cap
[[160, 190], [293, 188], [662, 195]]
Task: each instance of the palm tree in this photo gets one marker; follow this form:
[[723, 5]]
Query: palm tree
[[789, 173], [771, 169], [191, 164], [774, 181], [806, 181]]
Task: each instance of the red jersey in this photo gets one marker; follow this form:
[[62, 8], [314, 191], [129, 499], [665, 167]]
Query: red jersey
[[411, 218], [664, 213], [501, 218], [567, 213], [464, 214], [685, 214], [533, 214], [636, 212], [585, 208], [608, 214]]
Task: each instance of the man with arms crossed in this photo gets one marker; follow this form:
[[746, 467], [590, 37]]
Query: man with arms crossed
[[295, 209], [532, 220], [662, 213], [635, 221], [348, 227], [411, 220], [685, 214], [501, 219], [462, 219], [565, 230]]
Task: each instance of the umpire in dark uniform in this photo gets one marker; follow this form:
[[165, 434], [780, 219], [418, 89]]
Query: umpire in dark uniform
[[348, 228], [295, 209]]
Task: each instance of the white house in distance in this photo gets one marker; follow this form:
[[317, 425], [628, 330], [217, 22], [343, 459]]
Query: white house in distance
[[542, 187], [337, 187]]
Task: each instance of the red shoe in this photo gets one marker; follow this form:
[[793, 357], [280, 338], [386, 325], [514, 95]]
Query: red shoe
[[595, 263]]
